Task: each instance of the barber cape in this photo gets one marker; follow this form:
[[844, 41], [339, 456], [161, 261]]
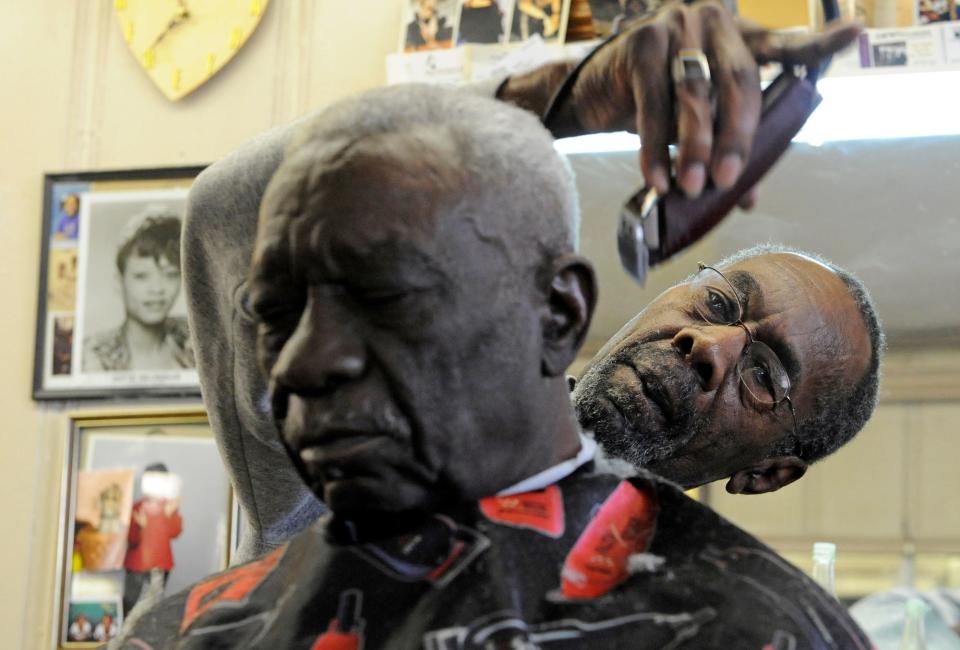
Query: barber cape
[[591, 561]]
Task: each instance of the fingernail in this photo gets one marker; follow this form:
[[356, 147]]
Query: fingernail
[[728, 170], [658, 179], [693, 179]]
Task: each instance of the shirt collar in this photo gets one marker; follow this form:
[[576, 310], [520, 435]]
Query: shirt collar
[[549, 476]]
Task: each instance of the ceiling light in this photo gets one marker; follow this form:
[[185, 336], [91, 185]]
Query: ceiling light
[[869, 107]]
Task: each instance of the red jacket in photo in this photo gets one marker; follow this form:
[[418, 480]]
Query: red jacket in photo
[[148, 547]]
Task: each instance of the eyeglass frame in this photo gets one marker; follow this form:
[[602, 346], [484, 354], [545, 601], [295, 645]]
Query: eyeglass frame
[[798, 447]]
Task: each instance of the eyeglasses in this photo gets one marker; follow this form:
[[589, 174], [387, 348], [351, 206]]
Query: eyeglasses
[[759, 369]]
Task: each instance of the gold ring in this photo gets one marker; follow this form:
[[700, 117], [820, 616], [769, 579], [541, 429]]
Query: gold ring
[[690, 63]]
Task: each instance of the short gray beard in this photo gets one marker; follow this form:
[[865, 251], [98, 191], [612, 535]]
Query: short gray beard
[[638, 442]]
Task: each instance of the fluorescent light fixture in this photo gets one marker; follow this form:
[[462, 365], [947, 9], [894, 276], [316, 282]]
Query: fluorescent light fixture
[[598, 143], [869, 107], [885, 107]]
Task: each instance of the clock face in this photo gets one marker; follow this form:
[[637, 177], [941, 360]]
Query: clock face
[[183, 43]]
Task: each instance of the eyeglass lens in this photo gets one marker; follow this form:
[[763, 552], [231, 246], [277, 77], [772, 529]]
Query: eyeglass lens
[[760, 370]]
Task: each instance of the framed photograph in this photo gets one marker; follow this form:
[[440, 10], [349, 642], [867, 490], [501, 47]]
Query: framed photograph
[[428, 25], [111, 318], [484, 21], [146, 511], [933, 11], [93, 620], [545, 19], [613, 16]]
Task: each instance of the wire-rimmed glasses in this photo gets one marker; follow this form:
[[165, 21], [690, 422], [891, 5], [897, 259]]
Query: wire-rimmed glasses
[[759, 369]]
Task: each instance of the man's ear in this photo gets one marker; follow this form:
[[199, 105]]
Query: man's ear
[[767, 476], [571, 299]]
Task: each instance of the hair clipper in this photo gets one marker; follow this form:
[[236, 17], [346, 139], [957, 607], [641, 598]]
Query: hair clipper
[[653, 228]]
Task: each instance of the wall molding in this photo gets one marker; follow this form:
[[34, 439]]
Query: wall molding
[[293, 59], [921, 375], [92, 31]]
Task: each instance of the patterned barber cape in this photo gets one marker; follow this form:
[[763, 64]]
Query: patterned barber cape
[[590, 562]]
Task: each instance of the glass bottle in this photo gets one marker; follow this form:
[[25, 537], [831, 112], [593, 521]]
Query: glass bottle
[[824, 560], [914, 633]]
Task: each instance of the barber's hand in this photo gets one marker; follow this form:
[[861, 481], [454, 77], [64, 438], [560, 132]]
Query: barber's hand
[[628, 86]]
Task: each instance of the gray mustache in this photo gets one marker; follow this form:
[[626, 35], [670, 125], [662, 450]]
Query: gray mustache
[[385, 422], [366, 415]]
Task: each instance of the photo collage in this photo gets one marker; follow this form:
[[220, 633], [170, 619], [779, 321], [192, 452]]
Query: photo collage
[[112, 317], [443, 24], [146, 496]]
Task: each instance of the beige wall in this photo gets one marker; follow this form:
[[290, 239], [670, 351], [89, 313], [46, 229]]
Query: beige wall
[[894, 483], [888, 496], [74, 98]]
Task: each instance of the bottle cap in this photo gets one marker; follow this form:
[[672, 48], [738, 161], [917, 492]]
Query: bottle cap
[[824, 551], [916, 607]]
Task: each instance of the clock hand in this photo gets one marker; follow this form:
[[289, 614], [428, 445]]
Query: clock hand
[[176, 20]]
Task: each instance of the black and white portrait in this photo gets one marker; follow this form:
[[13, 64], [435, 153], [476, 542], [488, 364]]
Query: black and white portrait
[[131, 317]]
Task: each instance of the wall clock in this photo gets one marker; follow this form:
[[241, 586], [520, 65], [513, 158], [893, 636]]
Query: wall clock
[[183, 43]]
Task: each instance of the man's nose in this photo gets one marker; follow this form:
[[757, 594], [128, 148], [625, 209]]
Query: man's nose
[[712, 351], [319, 356]]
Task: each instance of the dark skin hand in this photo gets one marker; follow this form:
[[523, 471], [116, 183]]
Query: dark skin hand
[[628, 86]]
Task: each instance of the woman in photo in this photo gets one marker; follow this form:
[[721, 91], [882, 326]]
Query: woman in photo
[[429, 29], [148, 264], [481, 21], [154, 523], [536, 17]]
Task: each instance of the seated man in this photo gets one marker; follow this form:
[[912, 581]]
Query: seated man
[[677, 389], [417, 306]]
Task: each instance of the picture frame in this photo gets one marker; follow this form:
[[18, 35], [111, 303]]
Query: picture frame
[[435, 32], [484, 22], [104, 331], [612, 16], [539, 19], [145, 504]]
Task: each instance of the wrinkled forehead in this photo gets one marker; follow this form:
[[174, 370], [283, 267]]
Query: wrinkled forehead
[[777, 277], [378, 197], [813, 306]]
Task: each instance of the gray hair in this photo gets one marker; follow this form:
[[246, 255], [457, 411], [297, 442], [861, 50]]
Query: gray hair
[[507, 164], [840, 411]]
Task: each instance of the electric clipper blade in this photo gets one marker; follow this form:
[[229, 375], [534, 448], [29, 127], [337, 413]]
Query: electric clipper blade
[[639, 233]]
